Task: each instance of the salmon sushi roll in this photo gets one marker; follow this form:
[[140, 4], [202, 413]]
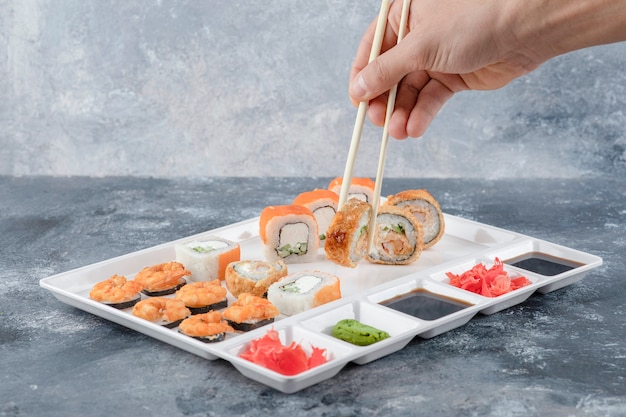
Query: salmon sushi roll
[[361, 188], [323, 204], [347, 237], [426, 210], [208, 258], [289, 234], [304, 290], [398, 237], [253, 277]]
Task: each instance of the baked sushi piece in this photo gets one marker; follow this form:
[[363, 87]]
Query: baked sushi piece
[[166, 312], [323, 205], [253, 277], [347, 235], [162, 279], [208, 258], [250, 312], [201, 297], [209, 327], [398, 237], [303, 290], [361, 188], [117, 292], [289, 234], [426, 210]]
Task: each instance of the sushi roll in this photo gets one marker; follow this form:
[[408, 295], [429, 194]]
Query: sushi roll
[[208, 258], [323, 204], [253, 277], [166, 312], [201, 297], [117, 292], [361, 188], [426, 210], [303, 290], [250, 312], [398, 237], [289, 234], [208, 327], [347, 237], [162, 279]]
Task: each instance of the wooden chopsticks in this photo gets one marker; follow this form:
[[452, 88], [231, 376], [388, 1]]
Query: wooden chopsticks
[[381, 24], [385, 139]]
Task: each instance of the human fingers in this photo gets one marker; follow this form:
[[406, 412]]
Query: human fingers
[[363, 51], [430, 101], [406, 99], [377, 110], [389, 41], [381, 74], [435, 95]]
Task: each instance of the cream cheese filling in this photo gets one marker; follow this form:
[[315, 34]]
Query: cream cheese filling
[[303, 284], [206, 245]]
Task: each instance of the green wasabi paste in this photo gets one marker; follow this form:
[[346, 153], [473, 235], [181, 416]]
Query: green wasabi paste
[[357, 333]]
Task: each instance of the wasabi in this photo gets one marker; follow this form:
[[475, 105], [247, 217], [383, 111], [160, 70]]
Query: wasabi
[[357, 333]]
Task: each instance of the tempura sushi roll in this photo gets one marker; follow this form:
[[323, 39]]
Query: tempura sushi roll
[[426, 210], [323, 205], [398, 237], [208, 327], [304, 290], [250, 312], [361, 188], [347, 236], [289, 233], [253, 277], [208, 258]]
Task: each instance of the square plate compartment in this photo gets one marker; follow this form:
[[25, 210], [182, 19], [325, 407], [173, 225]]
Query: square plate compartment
[[401, 329]]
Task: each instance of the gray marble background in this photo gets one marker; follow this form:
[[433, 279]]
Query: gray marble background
[[220, 88]]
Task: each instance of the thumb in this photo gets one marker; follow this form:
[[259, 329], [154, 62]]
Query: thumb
[[380, 75]]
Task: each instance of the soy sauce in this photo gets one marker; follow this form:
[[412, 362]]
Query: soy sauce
[[543, 264], [424, 304]]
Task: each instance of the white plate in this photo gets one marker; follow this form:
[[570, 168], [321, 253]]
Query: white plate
[[464, 244]]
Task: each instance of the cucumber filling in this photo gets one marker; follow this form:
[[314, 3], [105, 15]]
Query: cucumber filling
[[293, 240], [302, 285], [298, 249]]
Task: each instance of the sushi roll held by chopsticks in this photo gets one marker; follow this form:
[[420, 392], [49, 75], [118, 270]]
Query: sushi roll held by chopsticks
[[347, 237]]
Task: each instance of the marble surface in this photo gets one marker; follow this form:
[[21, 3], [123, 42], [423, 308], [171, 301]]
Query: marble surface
[[196, 88], [558, 354]]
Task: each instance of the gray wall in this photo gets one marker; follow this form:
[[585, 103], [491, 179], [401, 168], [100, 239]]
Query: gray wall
[[202, 88]]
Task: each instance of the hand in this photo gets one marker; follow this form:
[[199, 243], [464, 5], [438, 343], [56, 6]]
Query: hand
[[456, 45]]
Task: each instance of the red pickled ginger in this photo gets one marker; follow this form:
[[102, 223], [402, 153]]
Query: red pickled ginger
[[269, 352], [490, 282]]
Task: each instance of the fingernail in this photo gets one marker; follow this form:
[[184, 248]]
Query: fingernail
[[358, 87]]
